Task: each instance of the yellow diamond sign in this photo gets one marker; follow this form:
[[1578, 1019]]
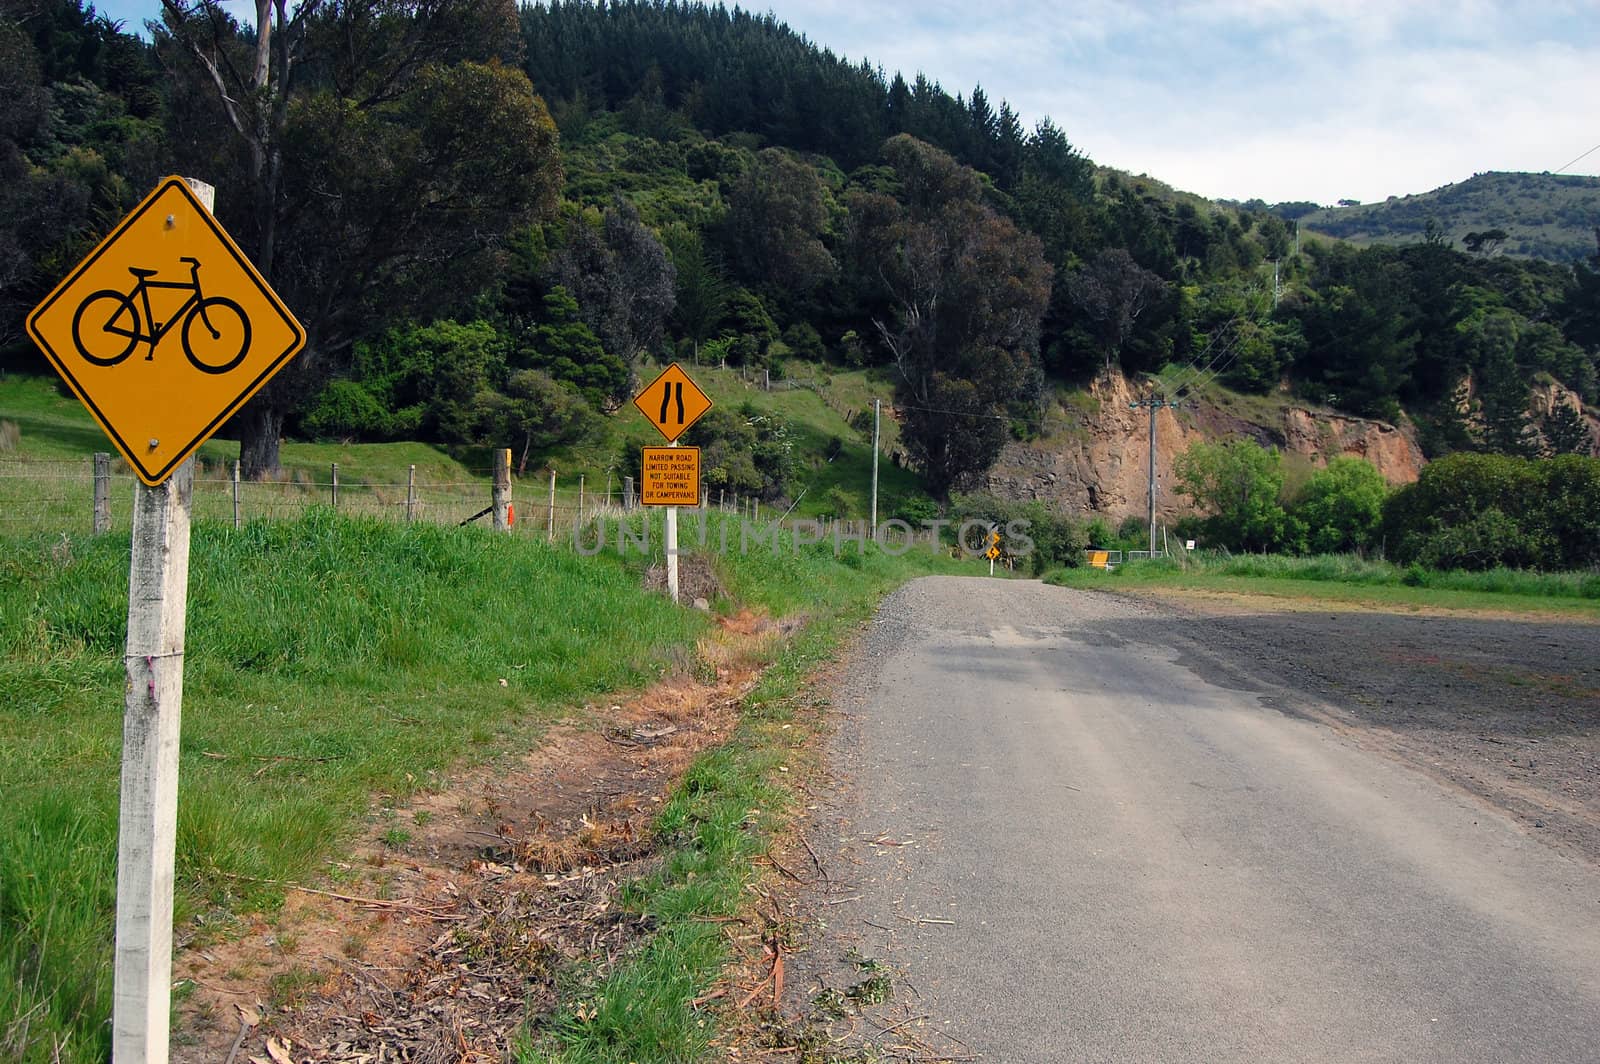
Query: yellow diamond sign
[[165, 330], [672, 402]]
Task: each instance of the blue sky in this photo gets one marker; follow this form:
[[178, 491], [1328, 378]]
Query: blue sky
[[1278, 99]]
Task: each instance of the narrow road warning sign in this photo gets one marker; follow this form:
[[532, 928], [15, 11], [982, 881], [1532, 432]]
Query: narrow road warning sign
[[671, 476], [672, 402]]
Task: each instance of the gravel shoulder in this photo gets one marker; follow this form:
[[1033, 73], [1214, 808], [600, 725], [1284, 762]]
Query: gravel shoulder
[[1506, 708]]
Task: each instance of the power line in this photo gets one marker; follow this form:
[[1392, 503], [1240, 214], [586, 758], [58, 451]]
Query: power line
[[1040, 421], [1191, 373], [1194, 369], [1218, 371], [1197, 372], [1578, 160]]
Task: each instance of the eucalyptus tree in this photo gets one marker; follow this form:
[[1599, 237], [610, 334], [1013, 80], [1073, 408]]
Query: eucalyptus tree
[[370, 155]]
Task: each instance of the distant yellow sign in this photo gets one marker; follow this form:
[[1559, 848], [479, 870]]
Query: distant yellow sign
[[671, 476], [672, 402], [165, 330]]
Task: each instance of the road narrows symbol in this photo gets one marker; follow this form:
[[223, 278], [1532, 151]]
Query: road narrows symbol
[[672, 402], [671, 388]]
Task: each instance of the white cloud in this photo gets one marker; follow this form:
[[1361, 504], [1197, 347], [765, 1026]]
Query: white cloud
[[1282, 99]]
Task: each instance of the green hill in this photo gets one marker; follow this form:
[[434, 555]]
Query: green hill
[[1544, 216]]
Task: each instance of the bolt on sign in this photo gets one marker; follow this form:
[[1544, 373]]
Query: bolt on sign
[[671, 476], [165, 330], [672, 402]]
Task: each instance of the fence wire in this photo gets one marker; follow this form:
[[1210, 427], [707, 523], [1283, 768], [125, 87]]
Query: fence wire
[[57, 497]]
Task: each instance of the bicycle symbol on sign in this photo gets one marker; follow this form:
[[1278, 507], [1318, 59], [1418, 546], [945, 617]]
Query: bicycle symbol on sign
[[107, 325]]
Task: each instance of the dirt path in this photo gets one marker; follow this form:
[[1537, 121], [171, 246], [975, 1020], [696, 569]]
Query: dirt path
[[444, 928]]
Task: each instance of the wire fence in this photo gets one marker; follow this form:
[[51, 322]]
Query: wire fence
[[86, 496]]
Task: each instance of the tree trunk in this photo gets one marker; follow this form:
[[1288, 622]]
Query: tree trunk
[[260, 433]]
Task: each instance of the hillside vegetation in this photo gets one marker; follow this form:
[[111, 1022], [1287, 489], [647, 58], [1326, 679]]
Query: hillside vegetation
[[1537, 216], [573, 194]]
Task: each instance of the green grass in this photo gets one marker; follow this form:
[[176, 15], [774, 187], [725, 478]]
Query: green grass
[[817, 412], [722, 816], [46, 481], [1349, 579], [329, 659], [332, 659]]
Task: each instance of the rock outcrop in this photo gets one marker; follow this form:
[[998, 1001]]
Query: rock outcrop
[[1098, 460]]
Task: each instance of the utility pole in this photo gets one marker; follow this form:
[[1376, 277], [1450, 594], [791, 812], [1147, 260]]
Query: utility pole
[[1153, 405], [877, 412]]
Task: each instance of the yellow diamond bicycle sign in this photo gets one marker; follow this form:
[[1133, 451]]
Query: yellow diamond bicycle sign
[[165, 330]]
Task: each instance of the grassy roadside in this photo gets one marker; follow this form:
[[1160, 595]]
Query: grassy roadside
[[330, 659], [1355, 582], [725, 813]]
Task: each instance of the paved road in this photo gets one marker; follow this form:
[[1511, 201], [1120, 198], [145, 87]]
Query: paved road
[[1141, 862]]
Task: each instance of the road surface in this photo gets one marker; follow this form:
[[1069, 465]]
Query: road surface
[[1073, 837]]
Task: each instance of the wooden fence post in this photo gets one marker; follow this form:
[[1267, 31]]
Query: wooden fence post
[[102, 493], [627, 493], [158, 587], [581, 479], [147, 814], [237, 515], [335, 486], [148, 810], [411, 494], [552, 529], [501, 497]]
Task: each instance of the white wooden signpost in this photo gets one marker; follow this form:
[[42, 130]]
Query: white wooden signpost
[[216, 347]]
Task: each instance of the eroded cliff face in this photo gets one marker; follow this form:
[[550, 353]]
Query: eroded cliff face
[[1097, 462], [1545, 396]]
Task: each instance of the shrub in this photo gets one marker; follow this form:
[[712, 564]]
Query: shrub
[[1479, 510], [745, 451], [346, 408], [839, 503], [804, 340], [1239, 482], [1056, 539], [1342, 505], [914, 510]]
